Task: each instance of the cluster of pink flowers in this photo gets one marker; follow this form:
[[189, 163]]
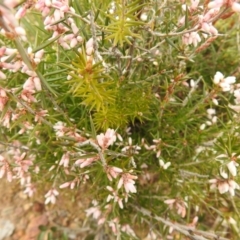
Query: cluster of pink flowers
[[107, 139], [224, 185], [51, 196], [204, 22], [179, 205], [62, 130], [16, 165], [5, 168]]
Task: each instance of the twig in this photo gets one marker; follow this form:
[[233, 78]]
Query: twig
[[191, 232], [94, 145], [30, 109]]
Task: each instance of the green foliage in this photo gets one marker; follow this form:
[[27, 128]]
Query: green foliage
[[143, 81], [120, 25]]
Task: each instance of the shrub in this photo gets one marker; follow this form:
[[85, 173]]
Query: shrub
[[137, 99]]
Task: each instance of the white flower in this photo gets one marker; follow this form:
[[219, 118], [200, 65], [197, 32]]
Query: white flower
[[51, 196], [203, 126], [164, 165], [144, 17], [224, 185], [94, 211], [232, 167], [232, 186], [236, 7], [223, 173], [224, 83]]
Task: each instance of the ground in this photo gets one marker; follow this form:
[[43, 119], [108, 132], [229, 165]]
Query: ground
[[21, 217]]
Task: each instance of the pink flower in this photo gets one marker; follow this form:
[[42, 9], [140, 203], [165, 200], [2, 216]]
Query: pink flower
[[107, 139], [224, 185], [25, 126], [22, 164], [236, 7], [127, 180], [32, 83], [86, 161], [5, 168], [6, 119], [21, 12], [128, 230], [131, 149], [179, 205], [51, 196], [94, 211], [89, 47], [115, 197], [191, 38], [70, 184], [216, 3], [2, 75], [112, 172], [30, 188], [60, 129], [3, 99], [27, 95], [65, 160], [40, 114]]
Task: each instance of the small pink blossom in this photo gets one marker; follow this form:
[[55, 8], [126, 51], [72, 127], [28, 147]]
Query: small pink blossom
[[65, 185], [191, 38], [127, 180], [114, 225], [107, 139], [5, 168], [22, 163], [84, 162], [128, 230], [25, 127], [114, 196], [2, 75], [236, 7], [30, 187], [21, 12], [60, 129], [112, 172], [179, 205], [94, 211], [27, 95], [3, 99], [65, 160], [51, 196], [6, 119], [40, 114], [216, 3], [224, 186]]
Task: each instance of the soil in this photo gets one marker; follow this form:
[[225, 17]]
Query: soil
[[23, 218]]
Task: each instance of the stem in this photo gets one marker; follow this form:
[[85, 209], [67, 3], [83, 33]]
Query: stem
[[191, 232], [94, 145]]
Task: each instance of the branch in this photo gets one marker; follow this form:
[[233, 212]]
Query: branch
[[191, 232]]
